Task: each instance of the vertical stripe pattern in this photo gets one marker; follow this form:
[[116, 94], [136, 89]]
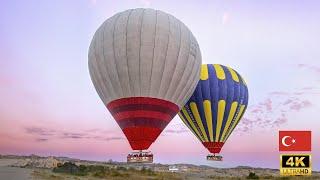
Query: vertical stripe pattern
[[144, 53], [217, 105]]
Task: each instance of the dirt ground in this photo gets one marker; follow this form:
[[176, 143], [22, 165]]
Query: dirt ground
[[13, 173]]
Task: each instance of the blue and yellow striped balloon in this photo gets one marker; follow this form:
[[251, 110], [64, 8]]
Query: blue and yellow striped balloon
[[216, 106]]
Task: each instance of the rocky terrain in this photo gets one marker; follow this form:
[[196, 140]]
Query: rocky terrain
[[36, 167]]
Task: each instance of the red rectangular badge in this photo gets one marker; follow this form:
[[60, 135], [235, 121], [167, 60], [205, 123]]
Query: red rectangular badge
[[294, 140]]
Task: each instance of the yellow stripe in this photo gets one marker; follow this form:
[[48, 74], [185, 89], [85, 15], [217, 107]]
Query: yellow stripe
[[233, 74], [244, 82], [185, 122], [204, 72], [230, 117], [207, 113], [221, 108], [185, 113], [219, 71], [196, 115], [236, 121]]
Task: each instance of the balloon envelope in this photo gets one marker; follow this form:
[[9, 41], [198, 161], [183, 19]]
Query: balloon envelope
[[216, 106], [144, 64]]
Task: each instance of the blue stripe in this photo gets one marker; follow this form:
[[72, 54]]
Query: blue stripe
[[214, 96]]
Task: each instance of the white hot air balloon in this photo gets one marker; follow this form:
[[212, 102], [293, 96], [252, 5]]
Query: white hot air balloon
[[145, 65]]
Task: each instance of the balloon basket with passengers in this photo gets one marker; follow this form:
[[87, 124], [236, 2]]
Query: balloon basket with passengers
[[140, 157], [214, 157]]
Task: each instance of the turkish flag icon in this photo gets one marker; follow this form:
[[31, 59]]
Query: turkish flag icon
[[294, 140]]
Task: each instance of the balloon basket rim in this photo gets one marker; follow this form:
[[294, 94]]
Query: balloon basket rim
[[213, 157], [140, 157]]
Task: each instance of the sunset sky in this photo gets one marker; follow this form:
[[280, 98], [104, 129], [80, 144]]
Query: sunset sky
[[48, 105]]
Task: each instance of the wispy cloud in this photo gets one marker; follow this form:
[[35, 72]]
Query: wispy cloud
[[70, 135], [42, 134], [279, 93], [310, 67], [40, 131], [297, 106], [41, 139], [179, 128], [176, 131], [273, 111]]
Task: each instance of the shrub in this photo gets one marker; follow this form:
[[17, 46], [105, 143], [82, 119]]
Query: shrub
[[70, 168], [147, 171], [97, 168], [115, 173], [121, 168], [252, 175], [99, 174], [82, 168], [132, 169]]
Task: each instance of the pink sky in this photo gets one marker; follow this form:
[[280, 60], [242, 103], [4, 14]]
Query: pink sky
[[49, 105]]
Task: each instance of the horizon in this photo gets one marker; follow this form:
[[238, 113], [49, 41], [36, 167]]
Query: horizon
[[50, 107], [112, 161]]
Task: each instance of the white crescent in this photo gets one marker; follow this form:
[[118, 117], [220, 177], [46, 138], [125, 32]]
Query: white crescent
[[283, 140]]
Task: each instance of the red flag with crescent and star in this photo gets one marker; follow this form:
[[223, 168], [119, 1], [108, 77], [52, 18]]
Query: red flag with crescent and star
[[294, 140]]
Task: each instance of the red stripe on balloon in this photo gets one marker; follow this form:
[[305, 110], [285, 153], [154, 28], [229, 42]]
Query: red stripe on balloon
[[142, 122], [149, 107], [142, 119], [142, 114], [143, 100]]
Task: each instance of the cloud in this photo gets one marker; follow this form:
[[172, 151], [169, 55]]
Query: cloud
[[179, 128], [44, 134], [267, 104], [112, 138], [274, 109], [176, 131], [40, 131], [309, 67], [279, 93], [289, 101], [257, 110], [70, 135], [41, 139], [297, 106], [308, 88]]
